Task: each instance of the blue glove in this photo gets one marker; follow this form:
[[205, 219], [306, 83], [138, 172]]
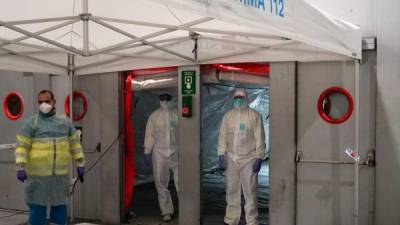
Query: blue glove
[[257, 165], [21, 175], [81, 171], [221, 162], [147, 159]]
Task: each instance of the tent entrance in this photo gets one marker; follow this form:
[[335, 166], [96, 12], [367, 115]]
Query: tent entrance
[[216, 100], [147, 85]]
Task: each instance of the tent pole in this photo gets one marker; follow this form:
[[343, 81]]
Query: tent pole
[[357, 142], [134, 22], [141, 39], [71, 71], [256, 49], [55, 19], [136, 39], [188, 28], [41, 31], [243, 42], [85, 20], [30, 34], [235, 33], [174, 40], [138, 55]]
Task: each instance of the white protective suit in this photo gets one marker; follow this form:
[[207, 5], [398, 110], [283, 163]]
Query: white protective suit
[[242, 141], [161, 141]]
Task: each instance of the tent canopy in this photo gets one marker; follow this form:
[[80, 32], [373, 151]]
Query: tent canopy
[[106, 36]]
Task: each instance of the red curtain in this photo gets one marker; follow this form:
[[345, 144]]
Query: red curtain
[[152, 71], [261, 69], [129, 163]]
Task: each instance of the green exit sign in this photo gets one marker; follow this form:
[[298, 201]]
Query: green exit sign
[[188, 82]]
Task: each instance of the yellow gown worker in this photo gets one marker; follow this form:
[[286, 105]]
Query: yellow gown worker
[[45, 145]]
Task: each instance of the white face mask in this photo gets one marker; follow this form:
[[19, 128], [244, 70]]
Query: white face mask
[[165, 104], [45, 108]]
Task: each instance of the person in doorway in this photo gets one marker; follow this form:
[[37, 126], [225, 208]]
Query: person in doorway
[[241, 147], [44, 147], [161, 150]]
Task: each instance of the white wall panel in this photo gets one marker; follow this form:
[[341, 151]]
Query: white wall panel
[[388, 114]]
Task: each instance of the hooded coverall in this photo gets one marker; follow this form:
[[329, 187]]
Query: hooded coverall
[[161, 142], [242, 140]]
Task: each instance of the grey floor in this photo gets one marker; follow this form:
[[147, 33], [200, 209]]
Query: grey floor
[[145, 209], [145, 206], [12, 218], [214, 202]]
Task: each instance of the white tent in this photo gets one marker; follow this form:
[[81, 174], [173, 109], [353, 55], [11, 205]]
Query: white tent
[[106, 36]]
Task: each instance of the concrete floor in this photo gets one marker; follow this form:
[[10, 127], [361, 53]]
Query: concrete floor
[[145, 204], [146, 211], [13, 218]]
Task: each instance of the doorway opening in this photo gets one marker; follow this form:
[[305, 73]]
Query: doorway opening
[[218, 86], [147, 86]]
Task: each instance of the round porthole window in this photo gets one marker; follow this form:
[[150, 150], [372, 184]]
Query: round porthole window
[[13, 106], [79, 105], [335, 105]]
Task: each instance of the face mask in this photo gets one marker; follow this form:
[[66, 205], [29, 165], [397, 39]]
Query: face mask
[[45, 108], [165, 104], [238, 102]]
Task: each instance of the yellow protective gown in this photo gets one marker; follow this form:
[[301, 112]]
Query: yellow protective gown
[[45, 145]]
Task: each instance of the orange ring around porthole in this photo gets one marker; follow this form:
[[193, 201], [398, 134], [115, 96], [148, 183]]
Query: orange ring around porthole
[[326, 93], [76, 94], [6, 108]]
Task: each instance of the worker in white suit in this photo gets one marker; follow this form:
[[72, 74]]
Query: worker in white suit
[[161, 150], [241, 147]]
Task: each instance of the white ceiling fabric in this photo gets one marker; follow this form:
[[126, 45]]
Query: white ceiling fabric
[[226, 30]]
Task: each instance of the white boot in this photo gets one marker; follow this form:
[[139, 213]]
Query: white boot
[[166, 218]]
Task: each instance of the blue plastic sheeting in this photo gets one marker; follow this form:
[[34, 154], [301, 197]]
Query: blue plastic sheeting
[[216, 100]]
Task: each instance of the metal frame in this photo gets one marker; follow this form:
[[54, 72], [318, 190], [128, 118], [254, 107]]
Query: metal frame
[[152, 35], [55, 27], [44, 20], [357, 142], [85, 17], [71, 73], [120, 55], [37, 36]]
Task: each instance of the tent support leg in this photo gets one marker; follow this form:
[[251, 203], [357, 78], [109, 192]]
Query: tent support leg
[[71, 71], [357, 142]]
